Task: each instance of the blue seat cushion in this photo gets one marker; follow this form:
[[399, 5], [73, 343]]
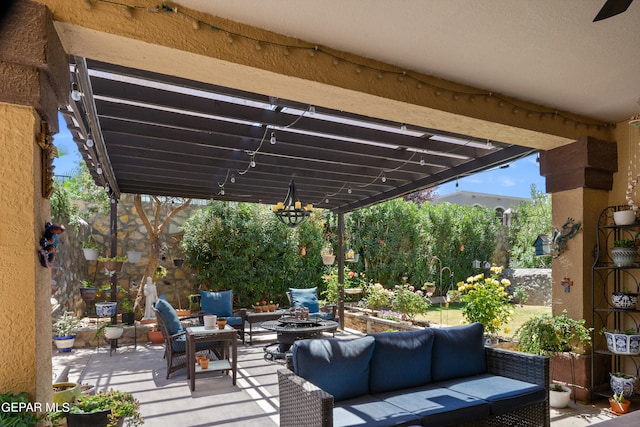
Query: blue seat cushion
[[370, 411], [218, 303], [169, 315], [503, 394], [305, 298], [449, 360], [437, 406], [339, 367], [234, 321], [401, 360], [179, 345]]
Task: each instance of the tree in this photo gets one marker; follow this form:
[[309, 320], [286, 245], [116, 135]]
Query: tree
[[156, 226], [528, 221]]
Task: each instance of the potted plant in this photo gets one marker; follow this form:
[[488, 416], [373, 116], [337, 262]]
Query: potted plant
[[559, 396], [624, 253], [624, 217], [626, 300], [64, 331], [65, 392], [155, 336], [113, 263], [623, 342], [106, 309], [88, 292], [25, 417], [90, 249], [134, 256], [546, 334], [111, 331], [110, 409], [622, 383], [619, 405], [128, 316]]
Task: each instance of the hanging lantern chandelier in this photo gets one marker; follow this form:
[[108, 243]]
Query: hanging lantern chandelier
[[290, 212]]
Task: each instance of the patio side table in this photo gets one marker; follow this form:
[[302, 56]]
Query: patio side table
[[259, 318], [229, 362]]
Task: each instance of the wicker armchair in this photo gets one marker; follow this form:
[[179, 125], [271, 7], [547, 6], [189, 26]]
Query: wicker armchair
[[304, 404], [175, 339]]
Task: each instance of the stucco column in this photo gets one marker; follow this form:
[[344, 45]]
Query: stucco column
[[579, 176], [33, 67]]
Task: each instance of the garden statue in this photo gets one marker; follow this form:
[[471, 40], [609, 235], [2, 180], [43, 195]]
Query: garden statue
[[151, 296]]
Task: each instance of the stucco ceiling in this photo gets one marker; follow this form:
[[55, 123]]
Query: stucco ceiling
[[545, 51]]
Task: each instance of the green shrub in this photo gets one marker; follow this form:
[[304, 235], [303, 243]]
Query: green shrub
[[548, 334]]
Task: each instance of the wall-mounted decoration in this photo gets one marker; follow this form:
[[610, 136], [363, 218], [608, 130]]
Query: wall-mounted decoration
[[542, 245], [567, 283], [49, 152], [560, 237]]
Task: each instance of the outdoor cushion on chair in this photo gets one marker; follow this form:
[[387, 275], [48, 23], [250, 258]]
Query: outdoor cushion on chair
[[308, 298], [220, 304], [170, 316]]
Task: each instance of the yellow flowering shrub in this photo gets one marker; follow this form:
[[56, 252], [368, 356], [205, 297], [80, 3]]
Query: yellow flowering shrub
[[486, 300]]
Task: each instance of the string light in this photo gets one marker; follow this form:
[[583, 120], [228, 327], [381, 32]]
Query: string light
[[315, 49], [273, 138], [90, 142], [233, 179], [384, 178], [421, 161], [75, 93]]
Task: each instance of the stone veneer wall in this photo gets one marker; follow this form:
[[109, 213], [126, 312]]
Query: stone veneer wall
[[72, 268], [536, 281]]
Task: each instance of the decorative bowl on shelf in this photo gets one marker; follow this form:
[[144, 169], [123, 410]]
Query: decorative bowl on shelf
[[623, 343], [626, 217], [625, 300]]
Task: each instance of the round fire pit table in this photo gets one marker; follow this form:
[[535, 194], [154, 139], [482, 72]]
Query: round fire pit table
[[289, 329]]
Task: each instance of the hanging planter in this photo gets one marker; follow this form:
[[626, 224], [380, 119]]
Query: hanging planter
[[134, 256], [113, 332], [90, 254]]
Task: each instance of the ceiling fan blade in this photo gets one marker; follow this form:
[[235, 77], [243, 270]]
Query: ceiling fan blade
[[612, 8]]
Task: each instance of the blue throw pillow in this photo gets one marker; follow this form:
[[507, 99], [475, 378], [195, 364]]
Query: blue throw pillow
[[218, 303], [458, 352], [305, 298], [339, 367], [401, 360], [170, 316]]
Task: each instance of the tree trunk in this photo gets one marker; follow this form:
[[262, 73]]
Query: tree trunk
[[155, 232]]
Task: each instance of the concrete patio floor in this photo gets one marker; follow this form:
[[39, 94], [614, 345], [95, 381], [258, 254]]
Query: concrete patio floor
[[216, 402]]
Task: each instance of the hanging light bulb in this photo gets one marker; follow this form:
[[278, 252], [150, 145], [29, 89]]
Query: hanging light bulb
[[233, 179], [312, 109], [75, 93], [349, 190], [253, 163], [421, 161], [222, 192], [273, 138], [403, 127], [89, 142], [99, 170], [384, 178]]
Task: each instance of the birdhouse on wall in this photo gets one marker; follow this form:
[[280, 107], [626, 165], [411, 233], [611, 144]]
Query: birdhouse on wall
[[542, 245]]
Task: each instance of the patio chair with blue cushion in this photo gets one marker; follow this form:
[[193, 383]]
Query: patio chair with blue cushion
[[309, 298], [175, 339], [221, 304]]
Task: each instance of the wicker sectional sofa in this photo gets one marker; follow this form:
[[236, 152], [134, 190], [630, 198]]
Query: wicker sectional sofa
[[429, 377]]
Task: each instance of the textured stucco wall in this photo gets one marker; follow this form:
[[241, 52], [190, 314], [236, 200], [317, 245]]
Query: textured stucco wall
[[25, 362]]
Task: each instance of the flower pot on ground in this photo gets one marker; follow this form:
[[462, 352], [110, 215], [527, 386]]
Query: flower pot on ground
[[65, 392], [624, 253], [108, 409], [619, 405], [64, 331], [128, 316], [155, 337], [622, 383], [624, 300], [559, 396]]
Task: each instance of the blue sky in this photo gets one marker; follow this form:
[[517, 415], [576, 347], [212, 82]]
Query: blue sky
[[513, 181]]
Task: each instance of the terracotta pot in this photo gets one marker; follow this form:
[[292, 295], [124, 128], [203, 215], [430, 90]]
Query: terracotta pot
[[155, 337], [204, 363], [619, 408], [222, 323]]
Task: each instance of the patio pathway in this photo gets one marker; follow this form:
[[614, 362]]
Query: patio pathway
[[216, 402]]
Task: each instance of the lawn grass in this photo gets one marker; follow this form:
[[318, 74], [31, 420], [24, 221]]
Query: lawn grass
[[453, 315]]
